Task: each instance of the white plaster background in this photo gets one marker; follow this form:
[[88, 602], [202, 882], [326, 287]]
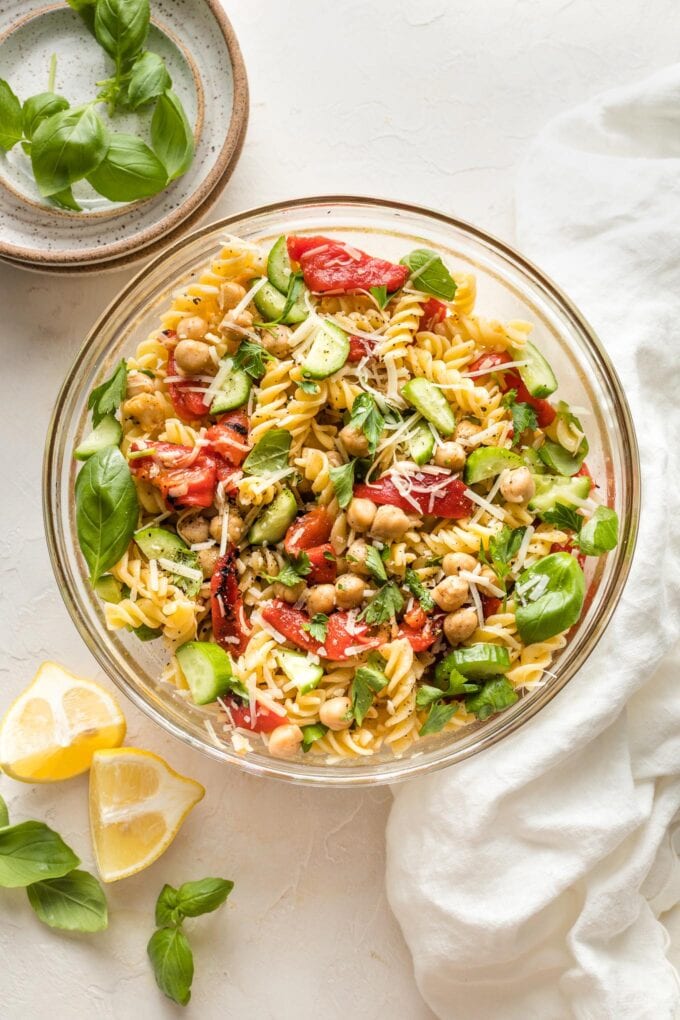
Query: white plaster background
[[426, 101]]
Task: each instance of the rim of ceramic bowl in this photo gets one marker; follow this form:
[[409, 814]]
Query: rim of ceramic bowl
[[402, 768], [195, 204]]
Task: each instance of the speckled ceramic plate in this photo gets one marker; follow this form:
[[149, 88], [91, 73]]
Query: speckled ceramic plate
[[205, 63]]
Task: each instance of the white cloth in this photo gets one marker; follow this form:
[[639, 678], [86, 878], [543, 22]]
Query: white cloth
[[528, 880]]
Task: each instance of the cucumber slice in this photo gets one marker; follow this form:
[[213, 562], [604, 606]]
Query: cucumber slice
[[107, 433], [432, 404], [554, 489], [234, 392], [533, 461], [421, 444], [489, 461], [537, 375], [305, 675], [208, 670], [480, 660], [278, 265], [271, 525], [328, 352], [109, 589], [271, 304], [157, 543]]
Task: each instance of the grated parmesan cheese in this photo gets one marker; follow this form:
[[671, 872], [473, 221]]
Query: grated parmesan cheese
[[180, 569]]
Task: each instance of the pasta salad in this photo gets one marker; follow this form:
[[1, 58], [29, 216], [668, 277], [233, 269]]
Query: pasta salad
[[342, 497]]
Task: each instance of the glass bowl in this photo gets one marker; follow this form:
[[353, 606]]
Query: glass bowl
[[508, 287]]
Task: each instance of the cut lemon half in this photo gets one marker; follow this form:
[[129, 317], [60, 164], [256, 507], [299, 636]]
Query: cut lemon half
[[53, 728], [137, 805]]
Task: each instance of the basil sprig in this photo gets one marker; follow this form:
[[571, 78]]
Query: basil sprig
[[429, 274], [74, 902], [270, 454], [106, 510]]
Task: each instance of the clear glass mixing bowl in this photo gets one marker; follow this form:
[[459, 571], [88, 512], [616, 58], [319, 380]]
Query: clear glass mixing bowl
[[508, 287]]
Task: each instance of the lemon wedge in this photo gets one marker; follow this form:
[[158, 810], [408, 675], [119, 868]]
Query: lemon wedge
[[137, 805], [53, 728]]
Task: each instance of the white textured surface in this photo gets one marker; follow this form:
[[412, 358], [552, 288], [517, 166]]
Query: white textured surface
[[429, 101]]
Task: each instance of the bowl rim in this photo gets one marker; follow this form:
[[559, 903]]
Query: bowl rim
[[402, 768], [195, 204]]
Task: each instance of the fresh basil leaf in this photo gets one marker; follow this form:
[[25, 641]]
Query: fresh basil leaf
[[4, 814], [148, 80], [368, 680], [600, 534], [86, 10], [107, 398], [252, 359], [380, 294], [375, 564], [67, 147], [31, 852], [494, 696], [106, 509], [383, 606], [550, 595], [270, 454], [440, 713], [121, 27], [38, 108], [503, 547], [65, 200], [11, 129], [171, 135], [429, 274], [459, 684], [129, 171], [173, 963], [559, 460], [307, 386], [343, 482], [366, 417], [75, 902], [317, 626], [418, 589], [312, 733], [203, 896], [168, 914], [427, 695], [145, 633], [563, 516]]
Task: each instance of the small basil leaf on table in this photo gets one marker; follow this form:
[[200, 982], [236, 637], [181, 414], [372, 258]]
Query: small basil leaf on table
[[11, 129], [148, 80], [106, 509], [38, 108], [4, 814], [67, 147], [173, 963], [31, 852], [203, 896], [75, 902], [107, 397], [129, 170], [171, 135], [121, 27], [600, 534], [167, 913], [429, 274]]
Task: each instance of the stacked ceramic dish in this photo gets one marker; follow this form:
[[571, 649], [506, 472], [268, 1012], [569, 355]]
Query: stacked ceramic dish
[[201, 53]]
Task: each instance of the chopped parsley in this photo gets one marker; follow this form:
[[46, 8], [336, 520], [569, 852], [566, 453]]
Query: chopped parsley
[[375, 564], [384, 605], [523, 416], [292, 572], [343, 482], [317, 626], [368, 680], [563, 516], [503, 547], [418, 589], [252, 359], [107, 398], [366, 417]]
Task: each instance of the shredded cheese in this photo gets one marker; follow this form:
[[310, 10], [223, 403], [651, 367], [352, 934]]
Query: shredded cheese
[[494, 511], [180, 569]]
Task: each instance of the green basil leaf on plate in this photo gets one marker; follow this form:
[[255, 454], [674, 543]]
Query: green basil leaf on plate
[[106, 510], [203, 896], [65, 200], [173, 963], [129, 171], [429, 274], [11, 129], [171, 135], [121, 27], [75, 902], [31, 852], [148, 80], [38, 108], [67, 147]]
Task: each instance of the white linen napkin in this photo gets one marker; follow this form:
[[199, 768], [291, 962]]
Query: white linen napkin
[[528, 880]]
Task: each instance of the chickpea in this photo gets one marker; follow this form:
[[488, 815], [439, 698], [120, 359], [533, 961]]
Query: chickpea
[[466, 431], [285, 741], [460, 625], [194, 529], [488, 574], [192, 328], [453, 563], [148, 409], [277, 341], [390, 522], [289, 595], [354, 441], [207, 559], [233, 327], [450, 594], [334, 458], [356, 557], [320, 599], [231, 294], [450, 455], [518, 486], [234, 527], [360, 514], [138, 382], [335, 713], [193, 357], [349, 591]]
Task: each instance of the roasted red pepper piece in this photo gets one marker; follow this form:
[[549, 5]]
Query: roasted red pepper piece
[[493, 362], [188, 404], [292, 624], [308, 531], [324, 567], [359, 347], [339, 641], [264, 721], [450, 501], [229, 437], [569, 547], [231, 628], [329, 265], [490, 605], [422, 636], [174, 469], [433, 312]]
